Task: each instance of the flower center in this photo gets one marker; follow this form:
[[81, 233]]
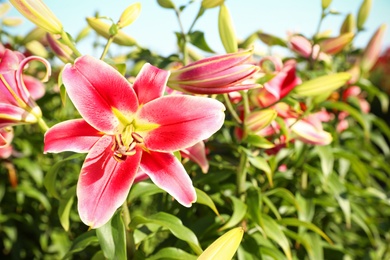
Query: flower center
[[125, 143]]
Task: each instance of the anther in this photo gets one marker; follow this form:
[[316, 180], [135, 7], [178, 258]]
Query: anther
[[137, 137]]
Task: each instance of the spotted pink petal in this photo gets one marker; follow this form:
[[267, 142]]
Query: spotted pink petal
[[95, 88], [72, 135], [168, 173], [214, 90], [104, 183], [150, 83], [183, 121]]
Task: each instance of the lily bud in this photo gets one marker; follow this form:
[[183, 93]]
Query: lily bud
[[224, 247], [336, 44], [325, 4], [103, 29], [372, 50], [214, 75], [207, 4], [62, 51], [259, 120], [6, 136], [166, 4], [348, 24], [129, 15], [364, 11], [226, 30], [38, 13]]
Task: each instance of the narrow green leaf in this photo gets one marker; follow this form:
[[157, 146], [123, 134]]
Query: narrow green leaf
[[173, 224], [259, 141], [112, 238], [341, 106], [271, 40], [262, 164], [296, 222], [226, 30], [81, 242], [203, 198], [66, 203], [51, 177], [143, 189], [239, 211], [172, 253], [327, 159], [274, 232], [326, 83], [284, 194], [33, 193], [197, 39]]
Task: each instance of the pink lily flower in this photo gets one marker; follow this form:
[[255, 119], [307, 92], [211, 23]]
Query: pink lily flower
[[18, 91], [197, 154], [279, 86], [128, 128], [304, 47], [215, 75]]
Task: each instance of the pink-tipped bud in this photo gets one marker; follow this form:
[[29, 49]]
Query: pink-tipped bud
[[336, 44], [215, 75], [372, 51]]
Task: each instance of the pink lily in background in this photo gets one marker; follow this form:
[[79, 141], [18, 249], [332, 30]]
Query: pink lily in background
[[18, 91], [215, 75], [304, 47], [284, 80], [197, 154], [128, 128]]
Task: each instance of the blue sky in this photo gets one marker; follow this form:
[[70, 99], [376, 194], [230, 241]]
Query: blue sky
[[155, 26]]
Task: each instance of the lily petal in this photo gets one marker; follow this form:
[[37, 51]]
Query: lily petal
[[197, 153], [72, 135], [104, 183], [150, 83], [168, 173], [13, 115], [93, 80], [183, 121], [34, 87]]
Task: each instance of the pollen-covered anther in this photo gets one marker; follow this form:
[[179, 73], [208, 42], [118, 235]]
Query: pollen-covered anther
[[137, 137]]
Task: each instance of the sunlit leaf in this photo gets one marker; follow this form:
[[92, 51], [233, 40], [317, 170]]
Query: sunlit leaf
[[112, 238], [66, 203], [203, 198], [173, 224], [239, 211]]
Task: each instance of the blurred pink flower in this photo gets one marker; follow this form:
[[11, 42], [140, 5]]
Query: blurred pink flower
[[284, 80]]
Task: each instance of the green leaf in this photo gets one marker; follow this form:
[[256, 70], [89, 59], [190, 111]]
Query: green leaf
[[143, 189], [197, 39], [172, 223], [297, 223], [239, 211], [274, 232], [326, 83], [262, 164], [327, 159], [66, 203], [51, 177], [33, 193], [83, 241], [259, 141], [271, 40], [341, 106], [112, 238], [284, 194], [203, 198], [172, 253], [226, 30]]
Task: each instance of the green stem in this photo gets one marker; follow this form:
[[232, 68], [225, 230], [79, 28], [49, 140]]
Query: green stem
[[42, 124], [245, 100], [68, 42], [107, 46], [241, 175], [129, 234], [229, 106], [183, 42]]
